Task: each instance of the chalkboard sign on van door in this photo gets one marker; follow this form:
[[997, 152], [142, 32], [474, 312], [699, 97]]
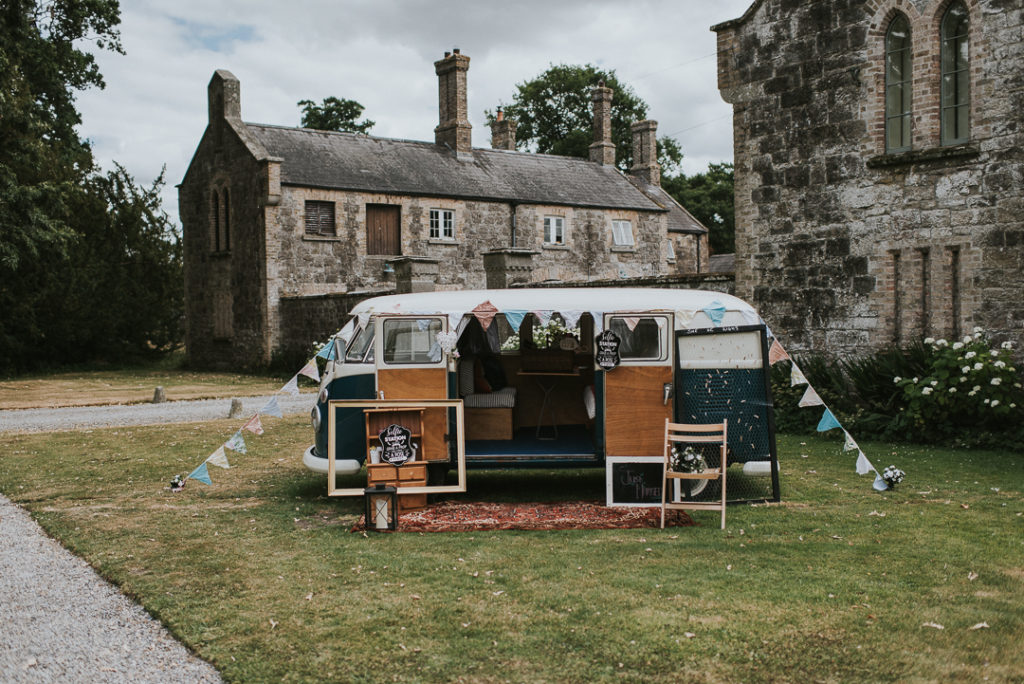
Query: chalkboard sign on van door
[[606, 350], [633, 480], [397, 443]]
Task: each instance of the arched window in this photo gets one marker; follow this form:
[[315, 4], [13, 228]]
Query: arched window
[[897, 85], [215, 210], [955, 92], [227, 221]]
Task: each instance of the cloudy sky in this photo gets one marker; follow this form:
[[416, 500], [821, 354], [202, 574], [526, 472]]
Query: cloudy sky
[[381, 54]]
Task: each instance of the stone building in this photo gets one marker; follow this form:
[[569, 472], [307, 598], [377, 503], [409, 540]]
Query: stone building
[[284, 229], [879, 160]]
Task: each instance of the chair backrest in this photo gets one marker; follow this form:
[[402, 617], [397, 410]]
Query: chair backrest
[[697, 433]]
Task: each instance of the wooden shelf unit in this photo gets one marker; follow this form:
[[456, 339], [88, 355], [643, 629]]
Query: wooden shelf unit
[[410, 474]]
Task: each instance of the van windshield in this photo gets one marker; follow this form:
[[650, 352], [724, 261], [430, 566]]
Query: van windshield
[[362, 341]]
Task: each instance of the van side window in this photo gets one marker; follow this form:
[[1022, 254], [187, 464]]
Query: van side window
[[411, 341], [641, 337], [362, 341]]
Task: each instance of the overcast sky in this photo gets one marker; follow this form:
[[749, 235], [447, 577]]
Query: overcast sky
[[381, 54]]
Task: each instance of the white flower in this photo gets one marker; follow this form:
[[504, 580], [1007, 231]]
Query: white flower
[[972, 393], [970, 355], [965, 369], [952, 390], [987, 400], [977, 388], [941, 343], [896, 380], [995, 402], [933, 383], [967, 339], [958, 345], [1013, 406], [1000, 364], [929, 340], [978, 330], [996, 381], [978, 366], [914, 380], [1007, 345], [926, 390]]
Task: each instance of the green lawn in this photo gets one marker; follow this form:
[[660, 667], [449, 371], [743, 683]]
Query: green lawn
[[260, 575]]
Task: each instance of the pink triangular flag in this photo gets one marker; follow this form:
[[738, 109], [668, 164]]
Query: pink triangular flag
[[776, 353], [485, 314], [810, 398], [311, 371], [255, 425]]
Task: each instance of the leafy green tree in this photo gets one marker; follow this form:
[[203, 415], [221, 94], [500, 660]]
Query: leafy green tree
[[709, 197], [554, 115], [334, 114]]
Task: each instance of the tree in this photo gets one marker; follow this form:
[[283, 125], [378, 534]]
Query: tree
[[709, 197], [334, 114], [554, 115]]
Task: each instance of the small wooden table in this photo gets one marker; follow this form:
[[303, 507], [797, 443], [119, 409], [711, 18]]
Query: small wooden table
[[547, 381]]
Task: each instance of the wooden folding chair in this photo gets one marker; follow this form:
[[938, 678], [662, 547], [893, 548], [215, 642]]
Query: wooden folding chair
[[686, 434]]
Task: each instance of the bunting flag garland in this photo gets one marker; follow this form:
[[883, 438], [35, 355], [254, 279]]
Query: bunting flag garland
[[828, 422], [236, 443], [715, 311], [326, 352], [796, 377], [863, 464], [201, 473], [254, 425], [485, 313], [543, 316], [311, 371], [631, 322], [219, 458], [810, 398], [515, 318], [776, 353], [571, 318], [292, 386], [849, 444], [272, 408]]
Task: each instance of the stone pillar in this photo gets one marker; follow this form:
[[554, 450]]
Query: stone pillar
[[602, 150], [645, 152], [508, 266], [453, 129], [415, 274], [503, 132]]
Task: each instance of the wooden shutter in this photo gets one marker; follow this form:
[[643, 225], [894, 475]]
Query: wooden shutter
[[383, 229], [319, 218]]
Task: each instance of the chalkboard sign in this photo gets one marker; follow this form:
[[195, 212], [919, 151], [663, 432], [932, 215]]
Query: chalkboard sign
[[606, 350], [633, 480], [397, 443]]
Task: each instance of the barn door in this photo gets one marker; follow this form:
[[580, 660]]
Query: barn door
[[638, 392], [383, 229]]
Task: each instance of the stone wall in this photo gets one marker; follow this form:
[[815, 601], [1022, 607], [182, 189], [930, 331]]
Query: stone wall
[[845, 248], [315, 318]]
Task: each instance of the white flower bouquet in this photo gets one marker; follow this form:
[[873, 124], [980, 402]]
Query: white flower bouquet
[[893, 476], [687, 460]]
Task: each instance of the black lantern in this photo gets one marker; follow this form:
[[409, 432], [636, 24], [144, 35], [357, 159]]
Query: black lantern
[[381, 508]]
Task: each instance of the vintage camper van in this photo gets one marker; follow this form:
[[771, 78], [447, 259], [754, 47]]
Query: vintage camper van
[[580, 376]]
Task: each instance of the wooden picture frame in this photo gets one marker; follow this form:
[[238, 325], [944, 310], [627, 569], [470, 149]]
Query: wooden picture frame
[[397, 404], [644, 482]]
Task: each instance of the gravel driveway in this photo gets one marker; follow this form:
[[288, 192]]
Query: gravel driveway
[[59, 620]]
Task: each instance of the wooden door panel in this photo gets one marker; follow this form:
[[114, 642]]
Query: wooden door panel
[[383, 229], [421, 383], [635, 411]]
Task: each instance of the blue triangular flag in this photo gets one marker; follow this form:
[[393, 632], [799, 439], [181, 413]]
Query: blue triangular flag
[[515, 318], [327, 352], [272, 408], [201, 474], [715, 311], [828, 422], [880, 484], [236, 443]]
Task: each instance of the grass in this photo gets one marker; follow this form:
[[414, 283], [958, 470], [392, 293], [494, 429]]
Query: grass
[[260, 575], [94, 386]]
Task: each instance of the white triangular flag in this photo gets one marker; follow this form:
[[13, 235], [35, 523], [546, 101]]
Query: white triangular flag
[[849, 444], [311, 371], [236, 443], [810, 398], [863, 464], [879, 484], [272, 408], [796, 377], [292, 386], [219, 458]]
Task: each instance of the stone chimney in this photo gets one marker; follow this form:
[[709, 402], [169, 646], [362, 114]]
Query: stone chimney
[[454, 129], [224, 98], [503, 132], [645, 152], [602, 150]]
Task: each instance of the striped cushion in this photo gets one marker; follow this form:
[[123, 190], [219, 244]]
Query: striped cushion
[[503, 398]]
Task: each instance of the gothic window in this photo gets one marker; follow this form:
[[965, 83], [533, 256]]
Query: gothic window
[[319, 218], [215, 222], [226, 223], [955, 91], [897, 85]]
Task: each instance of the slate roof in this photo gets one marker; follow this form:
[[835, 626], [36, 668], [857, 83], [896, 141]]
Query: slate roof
[[347, 161], [679, 219]]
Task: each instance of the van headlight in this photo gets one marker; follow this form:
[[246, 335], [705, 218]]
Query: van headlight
[[315, 418], [322, 397]]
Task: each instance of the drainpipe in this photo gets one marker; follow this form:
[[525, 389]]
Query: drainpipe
[[513, 206]]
